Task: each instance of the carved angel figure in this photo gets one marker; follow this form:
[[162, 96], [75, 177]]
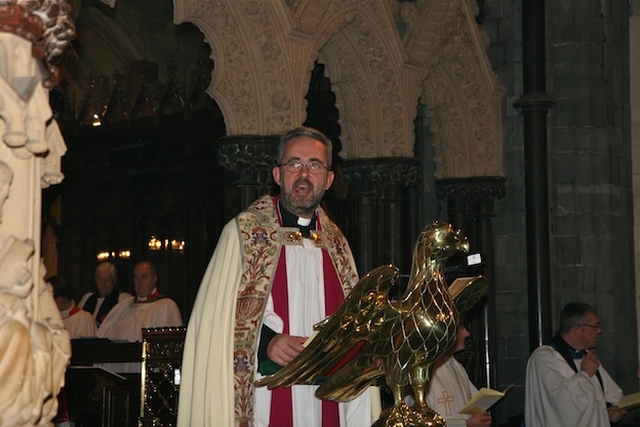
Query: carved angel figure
[[372, 340]]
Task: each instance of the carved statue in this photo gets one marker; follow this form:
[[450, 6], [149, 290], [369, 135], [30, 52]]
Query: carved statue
[[47, 24], [36, 347], [372, 340]]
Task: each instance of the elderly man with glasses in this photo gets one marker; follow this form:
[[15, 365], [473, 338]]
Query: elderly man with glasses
[[566, 386]]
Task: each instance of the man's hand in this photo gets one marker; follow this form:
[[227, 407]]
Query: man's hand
[[479, 420], [283, 348], [615, 414], [590, 363]]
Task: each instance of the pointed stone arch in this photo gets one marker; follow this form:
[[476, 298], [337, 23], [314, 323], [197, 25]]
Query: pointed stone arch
[[462, 97], [259, 71], [381, 57], [373, 94]]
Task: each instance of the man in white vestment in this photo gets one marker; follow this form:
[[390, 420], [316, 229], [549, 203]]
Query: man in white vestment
[[565, 384], [279, 268], [77, 322], [148, 309], [99, 303], [450, 389]]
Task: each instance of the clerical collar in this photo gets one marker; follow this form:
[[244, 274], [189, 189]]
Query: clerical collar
[[303, 222], [563, 347], [152, 297], [291, 220], [569, 354]]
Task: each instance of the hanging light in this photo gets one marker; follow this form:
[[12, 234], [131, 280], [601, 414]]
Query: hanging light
[[155, 244], [177, 245], [105, 254], [173, 245]]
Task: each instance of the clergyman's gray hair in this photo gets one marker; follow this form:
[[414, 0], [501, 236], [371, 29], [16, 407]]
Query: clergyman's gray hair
[[308, 132], [573, 314]]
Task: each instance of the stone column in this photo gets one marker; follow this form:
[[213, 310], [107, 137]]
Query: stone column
[[534, 105], [251, 158], [470, 207], [379, 199]]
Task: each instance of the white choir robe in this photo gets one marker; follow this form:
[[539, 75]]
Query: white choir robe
[[78, 323], [555, 395], [449, 390], [305, 286], [126, 319]]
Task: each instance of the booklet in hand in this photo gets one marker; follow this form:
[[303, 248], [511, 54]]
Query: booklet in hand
[[630, 401], [483, 400]]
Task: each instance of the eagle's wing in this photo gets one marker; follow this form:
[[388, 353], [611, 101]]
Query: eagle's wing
[[353, 378], [365, 368], [342, 336]]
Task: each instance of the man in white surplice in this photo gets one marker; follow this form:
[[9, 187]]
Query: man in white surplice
[[279, 267], [565, 385]]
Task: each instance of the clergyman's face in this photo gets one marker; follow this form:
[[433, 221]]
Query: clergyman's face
[[301, 192], [588, 331], [144, 280], [104, 282]]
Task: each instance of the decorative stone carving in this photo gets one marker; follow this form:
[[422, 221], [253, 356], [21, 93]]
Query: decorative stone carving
[[462, 96], [380, 56], [37, 347], [26, 126], [251, 156], [46, 24], [259, 70], [470, 190], [37, 350], [367, 175], [373, 107]]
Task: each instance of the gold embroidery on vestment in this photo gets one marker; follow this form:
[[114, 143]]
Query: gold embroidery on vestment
[[293, 236]]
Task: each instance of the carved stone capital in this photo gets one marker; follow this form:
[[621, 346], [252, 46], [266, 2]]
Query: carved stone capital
[[470, 190], [382, 173], [536, 101], [252, 156]]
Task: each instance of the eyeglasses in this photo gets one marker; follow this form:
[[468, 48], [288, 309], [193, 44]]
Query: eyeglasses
[[295, 166], [590, 326]]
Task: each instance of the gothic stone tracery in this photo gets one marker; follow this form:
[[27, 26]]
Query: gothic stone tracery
[[381, 58]]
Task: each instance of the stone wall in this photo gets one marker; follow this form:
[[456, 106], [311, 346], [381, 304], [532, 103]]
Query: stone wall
[[590, 195]]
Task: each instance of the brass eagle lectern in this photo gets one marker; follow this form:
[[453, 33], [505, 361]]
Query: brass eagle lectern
[[372, 340]]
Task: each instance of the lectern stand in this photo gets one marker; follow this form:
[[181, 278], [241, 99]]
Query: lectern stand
[[98, 397]]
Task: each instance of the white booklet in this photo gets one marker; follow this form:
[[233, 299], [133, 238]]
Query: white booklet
[[483, 400]]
